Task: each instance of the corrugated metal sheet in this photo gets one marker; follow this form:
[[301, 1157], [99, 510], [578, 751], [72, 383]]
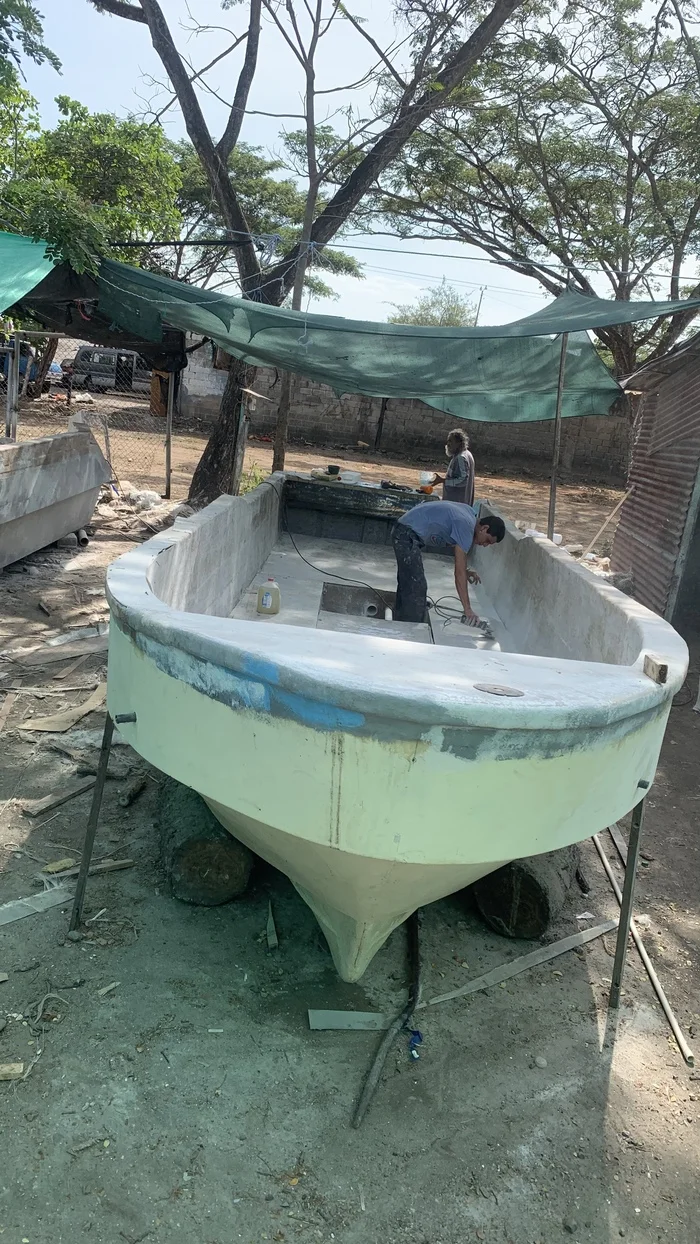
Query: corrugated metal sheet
[[665, 460]]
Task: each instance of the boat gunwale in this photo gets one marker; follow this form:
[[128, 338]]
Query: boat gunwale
[[369, 676]]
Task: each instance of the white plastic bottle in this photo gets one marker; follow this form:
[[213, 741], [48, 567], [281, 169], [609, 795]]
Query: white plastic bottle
[[269, 598]]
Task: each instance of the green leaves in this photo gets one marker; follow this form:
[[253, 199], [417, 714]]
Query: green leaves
[[21, 33], [442, 306], [575, 148], [93, 181]]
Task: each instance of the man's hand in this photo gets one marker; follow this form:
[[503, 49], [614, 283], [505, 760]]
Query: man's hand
[[469, 613], [473, 577]]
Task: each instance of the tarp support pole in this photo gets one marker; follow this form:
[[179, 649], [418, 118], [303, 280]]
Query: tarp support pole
[[8, 392], [380, 423], [13, 380], [169, 433], [557, 438]]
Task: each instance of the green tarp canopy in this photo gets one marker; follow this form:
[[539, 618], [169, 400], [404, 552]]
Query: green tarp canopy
[[505, 373], [483, 374], [23, 264]]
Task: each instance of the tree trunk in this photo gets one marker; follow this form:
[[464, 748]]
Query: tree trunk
[[205, 865], [221, 462], [280, 442], [47, 357], [521, 899]]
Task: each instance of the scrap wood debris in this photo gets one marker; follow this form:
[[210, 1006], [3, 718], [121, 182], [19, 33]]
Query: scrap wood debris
[[60, 722]]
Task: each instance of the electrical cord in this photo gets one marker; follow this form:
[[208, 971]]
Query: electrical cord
[[690, 696], [446, 611], [401, 1021], [332, 574]]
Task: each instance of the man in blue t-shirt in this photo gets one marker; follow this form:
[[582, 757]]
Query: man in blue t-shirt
[[436, 524]]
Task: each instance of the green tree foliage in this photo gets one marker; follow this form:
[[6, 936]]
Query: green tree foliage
[[123, 168], [572, 153], [442, 307], [92, 181], [21, 34]]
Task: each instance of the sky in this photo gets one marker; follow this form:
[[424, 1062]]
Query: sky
[[109, 65]]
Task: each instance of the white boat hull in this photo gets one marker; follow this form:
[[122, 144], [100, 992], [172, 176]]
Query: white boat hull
[[380, 790]]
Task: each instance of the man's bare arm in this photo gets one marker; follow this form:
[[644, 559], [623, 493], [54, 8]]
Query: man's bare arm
[[461, 581]]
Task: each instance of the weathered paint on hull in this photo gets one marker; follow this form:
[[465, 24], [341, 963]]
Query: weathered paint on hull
[[368, 826]]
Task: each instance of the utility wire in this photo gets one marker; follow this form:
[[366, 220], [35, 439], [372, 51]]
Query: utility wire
[[389, 250]]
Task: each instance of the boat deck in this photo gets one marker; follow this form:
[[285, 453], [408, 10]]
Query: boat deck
[[301, 587]]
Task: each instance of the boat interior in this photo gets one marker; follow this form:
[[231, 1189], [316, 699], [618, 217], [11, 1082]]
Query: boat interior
[[329, 549]]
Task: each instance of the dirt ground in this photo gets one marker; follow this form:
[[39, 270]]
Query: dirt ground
[[137, 453], [192, 1103]]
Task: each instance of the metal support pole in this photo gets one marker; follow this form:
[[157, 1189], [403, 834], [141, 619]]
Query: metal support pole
[[8, 390], [93, 818], [13, 387], [623, 928], [169, 433], [557, 437], [380, 423], [240, 448]]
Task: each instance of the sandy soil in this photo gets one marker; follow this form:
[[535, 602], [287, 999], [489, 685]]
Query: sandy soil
[[137, 453], [192, 1103]]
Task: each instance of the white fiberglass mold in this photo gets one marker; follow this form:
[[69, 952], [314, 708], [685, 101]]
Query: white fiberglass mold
[[380, 765]]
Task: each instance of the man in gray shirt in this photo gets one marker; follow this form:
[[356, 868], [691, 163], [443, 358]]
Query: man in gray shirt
[[458, 481], [436, 524]]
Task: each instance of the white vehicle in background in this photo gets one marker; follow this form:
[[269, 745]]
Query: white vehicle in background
[[98, 368]]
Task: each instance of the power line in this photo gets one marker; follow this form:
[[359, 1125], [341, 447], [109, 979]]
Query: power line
[[389, 250]]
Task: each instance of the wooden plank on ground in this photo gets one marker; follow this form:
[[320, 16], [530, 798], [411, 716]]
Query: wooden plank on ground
[[105, 866], [516, 966], [35, 807], [73, 666], [60, 722], [36, 903], [48, 655], [7, 708]]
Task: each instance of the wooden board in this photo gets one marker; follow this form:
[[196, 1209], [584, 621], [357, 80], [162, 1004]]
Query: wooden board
[[348, 1021], [48, 655], [59, 722], [35, 807]]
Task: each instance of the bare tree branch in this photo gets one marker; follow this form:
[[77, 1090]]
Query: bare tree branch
[[390, 143], [229, 138], [120, 8], [373, 44], [200, 137]]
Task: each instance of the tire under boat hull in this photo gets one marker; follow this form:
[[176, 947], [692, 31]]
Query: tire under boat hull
[[369, 828]]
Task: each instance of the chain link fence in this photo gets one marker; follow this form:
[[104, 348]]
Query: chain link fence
[[126, 406]]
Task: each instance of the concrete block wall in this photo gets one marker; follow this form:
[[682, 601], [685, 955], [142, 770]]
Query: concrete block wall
[[319, 416]]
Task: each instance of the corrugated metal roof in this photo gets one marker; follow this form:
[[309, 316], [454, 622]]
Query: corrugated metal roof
[[664, 465]]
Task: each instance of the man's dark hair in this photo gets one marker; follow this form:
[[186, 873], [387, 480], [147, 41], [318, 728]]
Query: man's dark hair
[[494, 525]]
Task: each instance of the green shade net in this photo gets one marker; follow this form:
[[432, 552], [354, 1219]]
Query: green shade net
[[506, 373], [23, 264], [503, 374]]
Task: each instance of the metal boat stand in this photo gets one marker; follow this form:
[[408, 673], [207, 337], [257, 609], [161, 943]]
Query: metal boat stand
[[623, 928], [94, 816]]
